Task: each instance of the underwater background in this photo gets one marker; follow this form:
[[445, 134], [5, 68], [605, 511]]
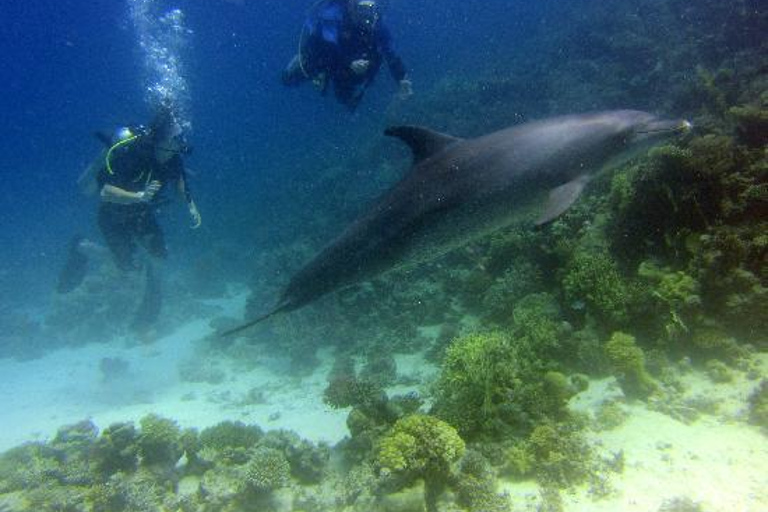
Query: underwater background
[[614, 360]]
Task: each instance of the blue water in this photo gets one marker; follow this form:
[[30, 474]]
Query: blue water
[[71, 68], [278, 172]]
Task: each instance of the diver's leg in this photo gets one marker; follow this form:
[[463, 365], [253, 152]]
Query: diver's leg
[[148, 312], [152, 239], [348, 93], [73, 272], [151, 236], [117, 234], [293, 74]]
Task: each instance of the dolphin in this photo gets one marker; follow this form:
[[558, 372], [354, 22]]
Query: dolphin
[[459, 190]]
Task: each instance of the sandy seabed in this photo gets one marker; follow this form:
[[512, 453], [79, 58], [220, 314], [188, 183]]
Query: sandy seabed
[[718, 461]]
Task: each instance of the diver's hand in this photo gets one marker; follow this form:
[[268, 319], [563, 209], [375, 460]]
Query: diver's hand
[[146, 195], [406, 89], [360, 66], [194, 213], [320, 81]]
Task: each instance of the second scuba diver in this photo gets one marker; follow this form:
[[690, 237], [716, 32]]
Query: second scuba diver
[[344, 43]]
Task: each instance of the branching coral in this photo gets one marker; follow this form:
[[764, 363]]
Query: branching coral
[[116, 449], [478, 372], [380, 368], [610, 415], [731, 268], [560, 455], [592, 278], [421, 447], [758, 405], [628, 361], [308, 462], [229, 441], [475, 485], [657, 202], [159, 442], [347, 390], [492, 385], [752, 124], [266, 470], [516, 282], [27, 466], [674, 299], [538, 325]]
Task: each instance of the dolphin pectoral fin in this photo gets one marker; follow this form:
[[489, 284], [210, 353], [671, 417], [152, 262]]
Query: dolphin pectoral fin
[[561, 198], [423, 142]]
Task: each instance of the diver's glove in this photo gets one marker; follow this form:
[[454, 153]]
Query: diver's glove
[[197, 219], [406, 89], [146, 195], [320, 81], [360, 66]]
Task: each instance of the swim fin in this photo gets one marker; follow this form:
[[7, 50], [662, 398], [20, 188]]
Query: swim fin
[[151, 303], [75, 268]]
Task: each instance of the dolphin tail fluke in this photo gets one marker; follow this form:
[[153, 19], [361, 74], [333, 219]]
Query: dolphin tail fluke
[[282, 306]]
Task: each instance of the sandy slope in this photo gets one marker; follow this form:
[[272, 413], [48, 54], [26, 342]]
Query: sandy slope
[[717, 461]]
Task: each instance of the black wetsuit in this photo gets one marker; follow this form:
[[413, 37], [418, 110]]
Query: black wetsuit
[[133, 166], [331, 42]]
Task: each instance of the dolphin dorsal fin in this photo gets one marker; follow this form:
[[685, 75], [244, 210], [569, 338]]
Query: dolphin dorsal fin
[[423, 142]]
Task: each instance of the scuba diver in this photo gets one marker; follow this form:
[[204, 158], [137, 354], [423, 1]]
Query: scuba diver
[[138, 166], [345, 42]]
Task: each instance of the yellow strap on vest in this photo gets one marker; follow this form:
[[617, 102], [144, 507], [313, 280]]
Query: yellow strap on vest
[[108, 158]]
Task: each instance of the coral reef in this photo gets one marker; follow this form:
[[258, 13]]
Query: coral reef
[[559, 455], [159, 442], [758, 405], [593, 278], [610, 415], [660, 268], [230, 466], [308, 462], [475, 485], [492, 385], [628, 361], [478, 374], [229, 442], [421, 447], [116, 449], [266, 470]]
